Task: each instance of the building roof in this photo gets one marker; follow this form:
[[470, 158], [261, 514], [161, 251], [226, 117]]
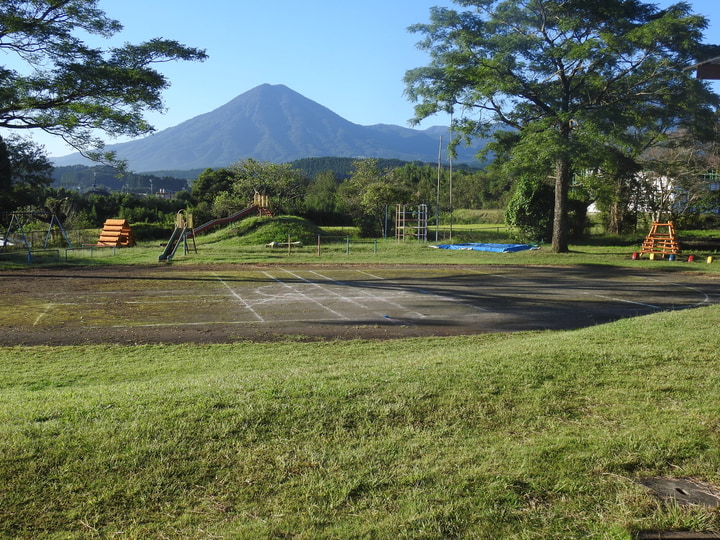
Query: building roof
[[709, 69]]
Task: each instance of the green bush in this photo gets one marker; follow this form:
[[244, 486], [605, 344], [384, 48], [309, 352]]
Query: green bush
[[530, 210], [699, 221], [150, 231]]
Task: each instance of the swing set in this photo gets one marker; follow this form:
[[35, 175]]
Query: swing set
[[14, 233]]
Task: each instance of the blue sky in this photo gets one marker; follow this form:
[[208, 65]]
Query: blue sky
[[348, 56]]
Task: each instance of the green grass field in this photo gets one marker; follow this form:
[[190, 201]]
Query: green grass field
[[340, 247], [526, 435], [502, 436]]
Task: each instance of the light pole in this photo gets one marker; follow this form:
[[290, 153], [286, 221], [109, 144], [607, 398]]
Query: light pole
[[451, 173], [437, 200]]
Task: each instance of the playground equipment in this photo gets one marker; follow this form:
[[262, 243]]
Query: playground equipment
[[15, 233], [661, 240], [261, 203], [224, 221], [116, 233], [184, 227], [411, 222]]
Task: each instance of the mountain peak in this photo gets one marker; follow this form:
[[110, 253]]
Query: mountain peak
[[270, 122]]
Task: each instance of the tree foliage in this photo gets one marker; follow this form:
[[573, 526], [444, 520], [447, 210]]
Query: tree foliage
[[564, 78], [321, 204], [284, 185], [56, 82], [675, 179], [25, 173], [210, 183], [365, 195], [530, 209]]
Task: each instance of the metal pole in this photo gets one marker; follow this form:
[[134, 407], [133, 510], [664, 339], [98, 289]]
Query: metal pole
[[437, 200], [451, 175], [385, 229]]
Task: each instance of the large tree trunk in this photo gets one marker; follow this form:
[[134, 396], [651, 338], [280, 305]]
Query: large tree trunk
[[563, 176], [617, 212], [5, 179], [614, 222]]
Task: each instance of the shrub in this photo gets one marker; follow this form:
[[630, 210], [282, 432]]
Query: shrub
[[530, 210], [150, 231]]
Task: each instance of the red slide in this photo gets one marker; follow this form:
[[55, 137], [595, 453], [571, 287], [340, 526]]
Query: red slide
[[222, 221]]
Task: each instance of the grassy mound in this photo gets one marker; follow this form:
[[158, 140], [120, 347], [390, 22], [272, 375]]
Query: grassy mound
[[257, 230]]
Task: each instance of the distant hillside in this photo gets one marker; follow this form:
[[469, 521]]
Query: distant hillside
[[341, 167], [82, 178], [274, 123]]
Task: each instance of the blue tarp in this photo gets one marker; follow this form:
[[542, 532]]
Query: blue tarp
[[497, 248]]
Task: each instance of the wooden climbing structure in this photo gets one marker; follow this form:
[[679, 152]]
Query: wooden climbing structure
[[263, 204], [116, 233], [661, 240]]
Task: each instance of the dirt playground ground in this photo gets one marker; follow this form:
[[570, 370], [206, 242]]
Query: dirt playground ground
[[222, 304]]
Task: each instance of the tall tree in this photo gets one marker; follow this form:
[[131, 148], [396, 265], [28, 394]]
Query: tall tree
[[210, 183], [368, 192], [320, 196], [565, 76], [285, 185], [675, 177], [29, 173], [56, 82]]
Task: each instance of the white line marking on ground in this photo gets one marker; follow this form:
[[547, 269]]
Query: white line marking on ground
[[239, 298], [326, 289], [373, 296], [186, 301], [306, 297], [706, 297], [48, 307], [624, 301], [429, 293], [212, 323]]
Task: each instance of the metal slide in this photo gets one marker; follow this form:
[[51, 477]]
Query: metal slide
[[180, 233], [177, 236]]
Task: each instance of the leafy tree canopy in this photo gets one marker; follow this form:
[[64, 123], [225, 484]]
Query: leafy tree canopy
[[565, 76], [56, 82], [25, 172], [284, 185]]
